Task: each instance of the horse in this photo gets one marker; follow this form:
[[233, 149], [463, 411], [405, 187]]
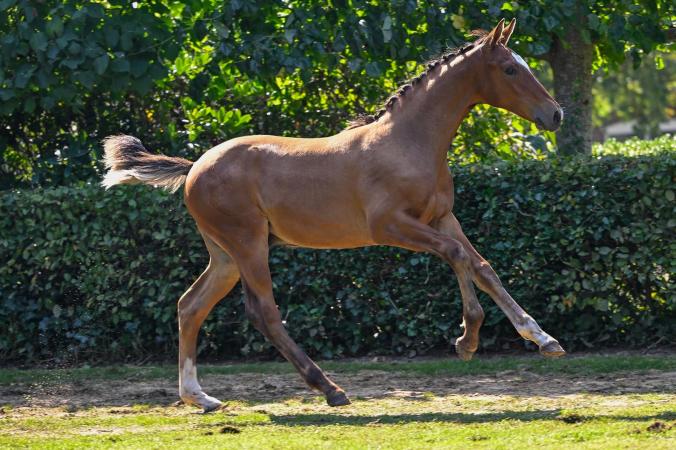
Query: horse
[[384, 180]]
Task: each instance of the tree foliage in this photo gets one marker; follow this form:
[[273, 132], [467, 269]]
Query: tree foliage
[[186, 75], [618, 28], [577, 38], [71, 72], [645, 93]]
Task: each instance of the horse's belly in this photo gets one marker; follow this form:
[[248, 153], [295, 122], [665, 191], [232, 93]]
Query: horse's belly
[[321, 229]]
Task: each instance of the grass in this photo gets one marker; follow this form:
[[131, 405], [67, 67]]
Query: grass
[[582, 420], [587, 365]]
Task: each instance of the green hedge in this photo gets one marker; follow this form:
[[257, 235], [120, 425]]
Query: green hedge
[[586, 246]]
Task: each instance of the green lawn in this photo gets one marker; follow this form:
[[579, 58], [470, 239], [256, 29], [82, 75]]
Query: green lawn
[[569, 365], [604, 402]]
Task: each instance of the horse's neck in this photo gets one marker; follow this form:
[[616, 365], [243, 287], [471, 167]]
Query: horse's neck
[[431, 113]]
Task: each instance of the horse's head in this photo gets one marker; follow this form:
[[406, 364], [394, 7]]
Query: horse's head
[[508, 83]]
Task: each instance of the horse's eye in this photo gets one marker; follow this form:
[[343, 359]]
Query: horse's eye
[[511, 70]]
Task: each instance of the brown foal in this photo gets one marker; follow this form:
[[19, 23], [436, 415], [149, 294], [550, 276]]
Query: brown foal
[[383, 181]]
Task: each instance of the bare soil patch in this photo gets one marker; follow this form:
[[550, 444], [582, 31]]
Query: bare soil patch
[[364, 384]]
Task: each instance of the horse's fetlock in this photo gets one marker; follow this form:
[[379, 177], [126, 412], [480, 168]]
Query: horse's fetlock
[[254, 317], [314, 377]]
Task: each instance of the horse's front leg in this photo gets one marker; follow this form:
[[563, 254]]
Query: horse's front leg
[[487, 280], [407, 232], [472, 313]]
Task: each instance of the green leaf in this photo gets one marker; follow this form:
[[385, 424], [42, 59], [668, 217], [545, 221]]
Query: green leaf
[[48, 102], [72, 63], [52, 52], [29, 105], [387, 29], [87, 79], [222, 30], [23, 75], [120, 64], [127, 40], [6, 94], [74, 48], [63, 41], [101, 64], [119, 83], [373, 69], [54, 27], [112, 36], [593, 21], [458, 22], [38, 42], [550, 22], [6, 4], [138, 67]]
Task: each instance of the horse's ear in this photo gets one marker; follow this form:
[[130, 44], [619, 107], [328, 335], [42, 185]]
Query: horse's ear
[[495, 35], [507, 33]]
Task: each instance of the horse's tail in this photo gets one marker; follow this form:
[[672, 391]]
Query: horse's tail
[[128, 162]]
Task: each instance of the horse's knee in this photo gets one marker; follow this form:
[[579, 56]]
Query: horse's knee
[[187, 308], [456, 255]]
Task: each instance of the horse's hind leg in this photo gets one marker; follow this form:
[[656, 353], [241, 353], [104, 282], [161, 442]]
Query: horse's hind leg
[[487, 280], [193, 307], [252, 259]]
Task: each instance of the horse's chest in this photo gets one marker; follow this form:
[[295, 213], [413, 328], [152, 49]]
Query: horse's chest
[[436, 206], [431, 199]]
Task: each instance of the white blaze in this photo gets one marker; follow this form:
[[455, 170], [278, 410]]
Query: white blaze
[[520, 60]]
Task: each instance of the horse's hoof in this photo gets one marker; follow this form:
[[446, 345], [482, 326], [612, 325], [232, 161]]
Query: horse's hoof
[[463, 354], [212, 406], [552, 350], [337, 398]]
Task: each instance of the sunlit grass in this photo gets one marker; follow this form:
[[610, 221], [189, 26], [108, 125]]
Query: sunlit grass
[[454, 421], [430, 420]]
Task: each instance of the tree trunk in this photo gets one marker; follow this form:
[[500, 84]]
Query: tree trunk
[[571, 62]]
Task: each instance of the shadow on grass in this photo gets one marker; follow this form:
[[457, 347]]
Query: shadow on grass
[[460, 418], [332, 419]]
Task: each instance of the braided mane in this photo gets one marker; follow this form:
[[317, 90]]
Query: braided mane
[[430, 66]]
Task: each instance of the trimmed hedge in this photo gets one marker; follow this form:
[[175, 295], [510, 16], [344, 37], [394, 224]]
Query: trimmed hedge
[[585, 245]]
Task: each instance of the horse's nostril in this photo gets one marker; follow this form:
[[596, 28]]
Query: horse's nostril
[[557, 117]]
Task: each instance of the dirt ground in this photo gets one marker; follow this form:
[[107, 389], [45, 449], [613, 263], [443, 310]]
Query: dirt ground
[[360, 385]]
